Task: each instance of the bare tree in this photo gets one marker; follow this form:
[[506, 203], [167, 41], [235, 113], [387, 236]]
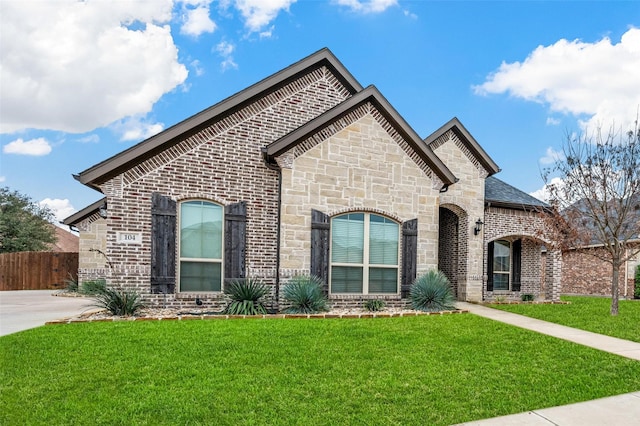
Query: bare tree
[[596, 201]]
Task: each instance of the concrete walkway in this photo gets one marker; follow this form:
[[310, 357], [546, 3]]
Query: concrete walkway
[[614, 345], [620, 410], [25, 309]]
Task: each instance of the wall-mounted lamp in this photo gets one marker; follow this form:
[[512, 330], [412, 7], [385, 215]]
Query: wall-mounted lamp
[[102, 210], [478, 227]]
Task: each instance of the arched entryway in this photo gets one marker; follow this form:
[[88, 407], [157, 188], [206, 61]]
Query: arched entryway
[[453, 246]]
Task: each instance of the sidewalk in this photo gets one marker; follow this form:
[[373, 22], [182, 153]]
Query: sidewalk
[[613, 345], [620, 410]]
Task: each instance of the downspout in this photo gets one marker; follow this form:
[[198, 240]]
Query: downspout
[[626, 271], [275, 167]]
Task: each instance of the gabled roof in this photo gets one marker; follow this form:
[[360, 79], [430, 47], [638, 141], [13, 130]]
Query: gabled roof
[[500, 194], [370, 94], [85, 213], [456, 126], [155, 144]]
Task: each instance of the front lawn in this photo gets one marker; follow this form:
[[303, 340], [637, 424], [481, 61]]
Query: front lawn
[[435, 370], [587, 313]]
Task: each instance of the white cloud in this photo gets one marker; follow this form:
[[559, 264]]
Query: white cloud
[[2, 179], [197, 67], [552, 156], [62, 209], [137, 129], [543, 193], [75, 66], [225, 50], [600, 80], [90, 139], [36, 147], [197, 20], [260, 13], [370, 6]]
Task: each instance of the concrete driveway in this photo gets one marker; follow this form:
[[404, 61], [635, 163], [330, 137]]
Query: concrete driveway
[[25, 309]]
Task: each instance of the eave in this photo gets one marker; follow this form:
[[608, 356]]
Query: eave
[[456, 126], [127, 159]]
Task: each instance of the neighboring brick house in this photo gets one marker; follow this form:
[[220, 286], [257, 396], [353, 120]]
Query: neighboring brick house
[[307, 172], [584, 272]]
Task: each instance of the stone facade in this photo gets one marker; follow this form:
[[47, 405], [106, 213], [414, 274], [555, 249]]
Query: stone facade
[[465, 200], [361, 167]]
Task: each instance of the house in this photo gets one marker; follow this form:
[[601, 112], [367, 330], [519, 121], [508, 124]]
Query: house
[[587, 267], [309, 172]]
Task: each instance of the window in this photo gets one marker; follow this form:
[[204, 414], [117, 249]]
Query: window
[[504, 265], [501, 264], [364, 254], [200, 264]]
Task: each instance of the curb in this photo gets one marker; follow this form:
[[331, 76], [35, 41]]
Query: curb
[[270, 316]]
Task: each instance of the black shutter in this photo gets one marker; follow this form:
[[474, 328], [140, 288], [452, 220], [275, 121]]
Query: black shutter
[[516, 265], [490, 267], [409, 255], [235, 236], [163, 244], [320, 237]]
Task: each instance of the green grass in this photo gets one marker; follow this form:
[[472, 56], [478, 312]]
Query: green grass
[[587, 313], [434, 370]]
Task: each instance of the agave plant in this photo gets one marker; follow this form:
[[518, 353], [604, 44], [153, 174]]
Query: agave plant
[[245, 297], [432, 292], [304, 294], [117, 302]]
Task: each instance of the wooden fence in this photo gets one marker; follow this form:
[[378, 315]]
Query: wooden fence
[[37, 270]]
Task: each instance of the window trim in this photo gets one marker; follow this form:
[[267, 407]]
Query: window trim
[[180, 259], [365, 265]]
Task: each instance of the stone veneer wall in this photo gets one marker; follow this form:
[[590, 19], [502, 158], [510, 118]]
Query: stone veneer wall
[[362, 166], [465, 198], [221, 163], [585, 274], [92, 264], [544, 281]]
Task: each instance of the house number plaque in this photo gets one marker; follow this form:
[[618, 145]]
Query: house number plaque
[[129, 237]]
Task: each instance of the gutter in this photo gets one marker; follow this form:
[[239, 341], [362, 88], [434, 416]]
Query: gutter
[[275, 167]]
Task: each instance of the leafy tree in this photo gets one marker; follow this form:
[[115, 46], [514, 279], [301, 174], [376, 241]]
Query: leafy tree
[[596, 202], [24, 225]]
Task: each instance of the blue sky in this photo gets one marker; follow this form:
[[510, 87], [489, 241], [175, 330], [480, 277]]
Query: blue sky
[[81, 81]]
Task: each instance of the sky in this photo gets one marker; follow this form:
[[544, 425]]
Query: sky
[[81, 81]]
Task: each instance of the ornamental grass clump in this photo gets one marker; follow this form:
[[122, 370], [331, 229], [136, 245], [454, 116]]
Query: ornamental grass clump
[[305, 296], [432, 292], [117, 302], [245, 297]]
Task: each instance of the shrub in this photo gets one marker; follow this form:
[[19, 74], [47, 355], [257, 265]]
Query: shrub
[[527, 297], [71, 284], [374, 305], [304, 294], [93, 287], [118, 302], [432, 292], [245, 297]]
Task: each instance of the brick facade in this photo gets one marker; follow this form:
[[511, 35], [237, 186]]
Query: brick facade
[[584, 273], [541, 269]]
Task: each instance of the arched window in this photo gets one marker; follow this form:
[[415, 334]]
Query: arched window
[[201, 248], [364, 254]]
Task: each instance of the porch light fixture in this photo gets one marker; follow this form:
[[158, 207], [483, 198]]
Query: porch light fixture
[[478, 227]]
